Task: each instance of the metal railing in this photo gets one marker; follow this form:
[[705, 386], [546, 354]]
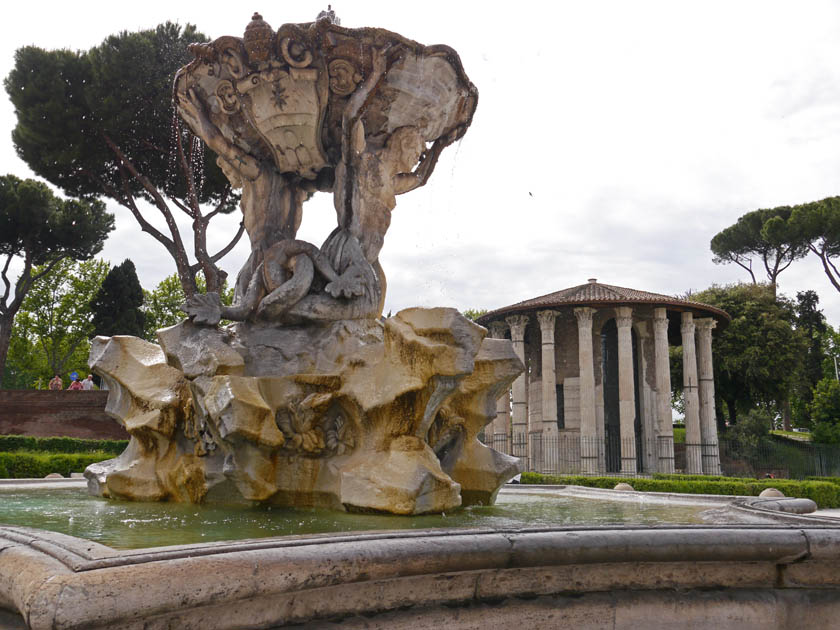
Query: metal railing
[[571, 454], [780, 458]]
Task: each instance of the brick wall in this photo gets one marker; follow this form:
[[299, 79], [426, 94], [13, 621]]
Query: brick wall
[[44, 413]]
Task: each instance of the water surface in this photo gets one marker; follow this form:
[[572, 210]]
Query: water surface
[[129, 525]]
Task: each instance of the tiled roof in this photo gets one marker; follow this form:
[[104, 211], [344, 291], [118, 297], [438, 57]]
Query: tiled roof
[[596, 294]]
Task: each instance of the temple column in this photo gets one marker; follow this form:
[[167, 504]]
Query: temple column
[[586, 371], [706, 380], [519, 424], [499, 437], [626, 389], [693, 440], [664, 421], [545, 445], [549, 378]]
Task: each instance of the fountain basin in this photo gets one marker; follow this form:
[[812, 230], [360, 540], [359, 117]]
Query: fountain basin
[[66, 508], [768, 569]]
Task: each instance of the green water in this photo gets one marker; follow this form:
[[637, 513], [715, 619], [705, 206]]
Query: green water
[[127, 525]]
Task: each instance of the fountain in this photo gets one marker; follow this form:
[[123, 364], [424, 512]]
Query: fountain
[[311, 401], [311, 398]]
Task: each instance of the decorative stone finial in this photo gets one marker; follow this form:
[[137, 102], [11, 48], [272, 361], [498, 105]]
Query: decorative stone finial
[[329, 14], [258, 37]]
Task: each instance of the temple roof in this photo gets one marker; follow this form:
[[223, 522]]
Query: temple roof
[[595, 294]]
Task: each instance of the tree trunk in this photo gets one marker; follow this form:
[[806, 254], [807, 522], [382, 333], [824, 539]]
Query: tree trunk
[[786, 415], [720, 420], [6, 322], [730, 406]]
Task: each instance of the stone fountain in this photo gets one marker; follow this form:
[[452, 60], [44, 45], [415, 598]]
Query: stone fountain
[[310, 397]]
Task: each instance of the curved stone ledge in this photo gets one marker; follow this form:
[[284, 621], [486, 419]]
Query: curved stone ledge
[[784, 504], [768, 576], [57, 581]]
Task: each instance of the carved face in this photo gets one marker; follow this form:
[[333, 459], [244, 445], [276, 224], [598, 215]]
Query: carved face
[[407, 145]]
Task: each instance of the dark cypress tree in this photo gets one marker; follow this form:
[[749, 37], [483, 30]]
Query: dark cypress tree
[[116, 307], [810, 321]]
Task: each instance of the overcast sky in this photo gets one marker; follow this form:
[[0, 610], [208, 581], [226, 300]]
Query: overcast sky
[[611, 140]]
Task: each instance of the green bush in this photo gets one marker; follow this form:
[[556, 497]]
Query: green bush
[[834, 480], [13, 443], [825, 494], [23, 465]]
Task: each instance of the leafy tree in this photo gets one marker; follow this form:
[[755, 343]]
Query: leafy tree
[[825, 411], [474, 313], [56, 316], [162, 307], [26, 365], [116, 307], [759, 234], [831, 347], [817, 224], [43, 231], [101, 124], [810, 323], [745, 438], [758, 354]]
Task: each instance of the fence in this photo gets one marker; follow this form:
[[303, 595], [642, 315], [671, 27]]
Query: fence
[[779, 457], [571, 454]]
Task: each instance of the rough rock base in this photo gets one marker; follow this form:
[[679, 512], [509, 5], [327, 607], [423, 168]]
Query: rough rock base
[[358, 414]]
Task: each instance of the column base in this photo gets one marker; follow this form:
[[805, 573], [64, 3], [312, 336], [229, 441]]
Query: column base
[[590, 448], [665, 454], [693, 459], [628, 466]]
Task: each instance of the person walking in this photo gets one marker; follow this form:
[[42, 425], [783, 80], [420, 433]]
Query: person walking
[[56, 383], [76, 385], [87, 384]]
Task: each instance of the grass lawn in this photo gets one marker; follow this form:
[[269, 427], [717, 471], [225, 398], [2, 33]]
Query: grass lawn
[[794, 435]]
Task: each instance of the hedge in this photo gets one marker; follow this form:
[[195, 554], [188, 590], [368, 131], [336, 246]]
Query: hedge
[[14, 443], [38, 465], [834, 480], [823, 493]]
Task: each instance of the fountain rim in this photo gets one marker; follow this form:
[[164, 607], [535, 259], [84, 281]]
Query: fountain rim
[[49, 576], [84, 554]]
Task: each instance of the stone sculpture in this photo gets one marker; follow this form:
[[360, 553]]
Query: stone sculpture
[[310, 397]]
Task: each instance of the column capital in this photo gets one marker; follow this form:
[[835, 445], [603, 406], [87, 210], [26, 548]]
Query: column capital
[[497, 330], [660, 324], [584, 315], [660, 313], [624, 316], [705, 324], [517, 325], [546, 320]]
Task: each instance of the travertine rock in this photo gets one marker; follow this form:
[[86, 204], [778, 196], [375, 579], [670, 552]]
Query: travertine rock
[[385, 418]]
